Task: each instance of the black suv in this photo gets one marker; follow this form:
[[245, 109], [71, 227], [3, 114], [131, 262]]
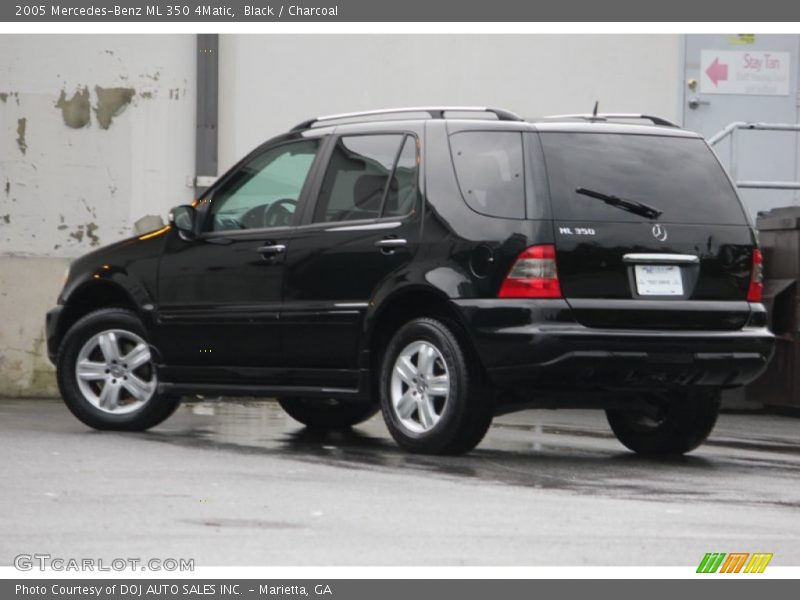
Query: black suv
[[443, 265]]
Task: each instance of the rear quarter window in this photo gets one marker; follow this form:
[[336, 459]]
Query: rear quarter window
[[490, 173], [679, 176]]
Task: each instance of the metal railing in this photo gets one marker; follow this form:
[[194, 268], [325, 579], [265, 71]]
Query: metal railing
[[731, 131]]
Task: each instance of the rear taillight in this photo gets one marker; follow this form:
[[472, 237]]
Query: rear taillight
[[756, 290], [533, 275]]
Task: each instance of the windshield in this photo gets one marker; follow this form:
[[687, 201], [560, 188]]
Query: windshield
[[678, 176]]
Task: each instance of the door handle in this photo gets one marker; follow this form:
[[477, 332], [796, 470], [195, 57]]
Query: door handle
[[694, 102], [391, 243], [661, 259], [271, 250]]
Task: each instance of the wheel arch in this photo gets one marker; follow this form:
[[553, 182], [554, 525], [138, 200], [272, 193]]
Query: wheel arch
[[90, 296], [400, 307]]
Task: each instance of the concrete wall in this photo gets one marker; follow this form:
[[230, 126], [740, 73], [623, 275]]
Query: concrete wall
[[95, 132], [28, 288], [270, 83]]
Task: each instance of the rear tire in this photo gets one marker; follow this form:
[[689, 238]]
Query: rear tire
[[330, 414], [433, 397], [676, 426], [117, 386]]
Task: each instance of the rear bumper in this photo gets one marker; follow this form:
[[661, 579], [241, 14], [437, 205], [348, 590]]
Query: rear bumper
[[538, 343]]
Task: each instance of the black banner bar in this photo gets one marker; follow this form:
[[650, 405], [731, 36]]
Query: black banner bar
[[729, 587], [399, 11]]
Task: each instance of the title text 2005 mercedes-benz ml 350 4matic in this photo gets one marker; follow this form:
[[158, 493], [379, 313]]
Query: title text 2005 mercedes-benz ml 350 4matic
[[442, 265]]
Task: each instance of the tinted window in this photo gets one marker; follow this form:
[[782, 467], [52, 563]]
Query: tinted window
[[362, 180], [403, 189], [489, 170], [264, 191], [678, 176]]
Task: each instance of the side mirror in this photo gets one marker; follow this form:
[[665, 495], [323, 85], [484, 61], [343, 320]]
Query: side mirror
[[183, 218]]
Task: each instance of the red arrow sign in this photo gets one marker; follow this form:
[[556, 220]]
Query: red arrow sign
[[717, 72]]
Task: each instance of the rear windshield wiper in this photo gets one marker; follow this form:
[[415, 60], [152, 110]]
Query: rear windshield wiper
[[639, 208]]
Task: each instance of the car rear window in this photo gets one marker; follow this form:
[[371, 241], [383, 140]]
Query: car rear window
[[490, 173], [678, 176]]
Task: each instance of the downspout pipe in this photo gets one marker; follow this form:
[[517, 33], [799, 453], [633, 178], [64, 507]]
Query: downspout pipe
[[206, 129]]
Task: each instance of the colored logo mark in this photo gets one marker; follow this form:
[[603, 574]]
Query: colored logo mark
[[735, 562]]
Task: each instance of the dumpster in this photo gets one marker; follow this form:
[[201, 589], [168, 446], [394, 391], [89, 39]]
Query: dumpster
[[779, 236]]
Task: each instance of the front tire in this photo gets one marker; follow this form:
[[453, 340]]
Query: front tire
[[433, 397], [672, 426], [106, 374], [326, 414]]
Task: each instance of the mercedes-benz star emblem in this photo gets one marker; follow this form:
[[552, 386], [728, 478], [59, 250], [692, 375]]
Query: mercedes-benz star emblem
[[660, 232]]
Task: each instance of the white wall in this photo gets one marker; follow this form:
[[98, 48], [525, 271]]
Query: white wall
[[28, 288], [270, 83], [74, 189]]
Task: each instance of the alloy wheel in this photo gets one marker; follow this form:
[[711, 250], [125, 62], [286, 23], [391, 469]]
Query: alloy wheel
[[115, 372], [420, 386]]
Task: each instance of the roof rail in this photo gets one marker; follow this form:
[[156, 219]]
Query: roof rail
[[616, 116], [435, 112]]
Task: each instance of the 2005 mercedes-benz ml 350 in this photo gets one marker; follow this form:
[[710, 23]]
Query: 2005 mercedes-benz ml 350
[[442, 265]]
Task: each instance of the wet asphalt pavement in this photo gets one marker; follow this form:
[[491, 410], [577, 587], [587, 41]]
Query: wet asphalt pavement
[[240, 483]]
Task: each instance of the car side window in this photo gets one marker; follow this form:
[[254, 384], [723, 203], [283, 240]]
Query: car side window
[[402, 194], [490, 171], [264, 191], [369, 176]]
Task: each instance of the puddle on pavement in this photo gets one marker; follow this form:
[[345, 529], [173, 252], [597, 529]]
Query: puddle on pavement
[[532, 454], [537, 450], [248, 524]]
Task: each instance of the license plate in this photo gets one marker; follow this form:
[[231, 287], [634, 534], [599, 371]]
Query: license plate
[[659, 280]]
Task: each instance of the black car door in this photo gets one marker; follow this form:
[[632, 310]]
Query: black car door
[[361, 231], [220, 294]]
